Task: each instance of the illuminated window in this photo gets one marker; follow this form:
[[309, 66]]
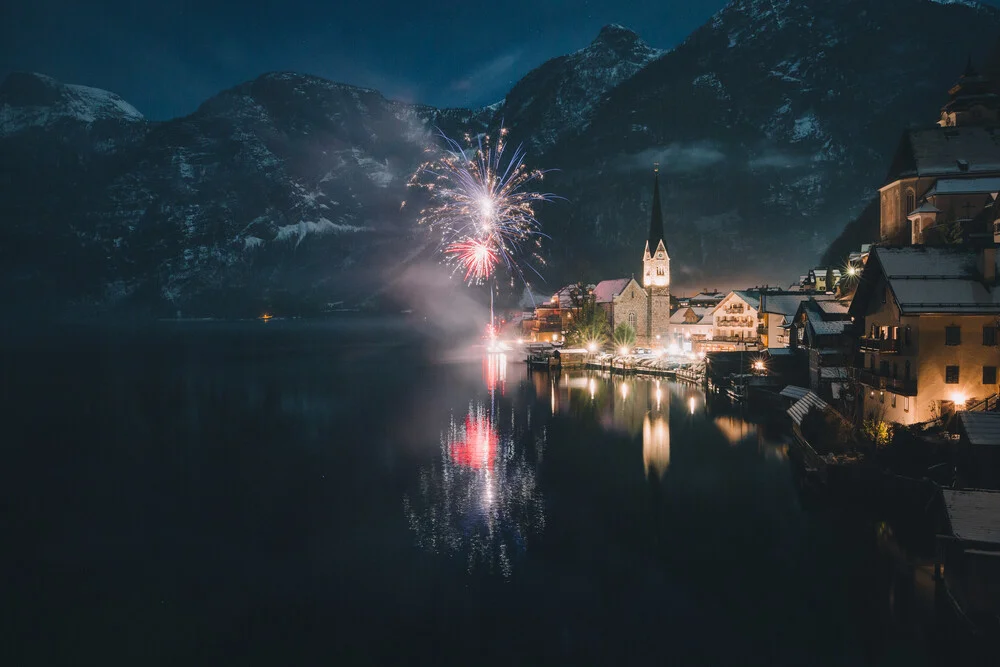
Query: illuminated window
[[989, 374], [633, 320], [953, 335], [951, 374]]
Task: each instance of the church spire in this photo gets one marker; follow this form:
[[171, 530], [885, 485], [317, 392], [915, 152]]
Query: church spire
[[656, 220]]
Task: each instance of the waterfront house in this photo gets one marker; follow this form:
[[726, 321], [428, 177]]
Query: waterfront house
[[734, 323], [929, 319], [690, 326]]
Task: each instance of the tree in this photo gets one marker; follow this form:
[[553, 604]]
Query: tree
[[624, 335], [945, 232], [590, 323]]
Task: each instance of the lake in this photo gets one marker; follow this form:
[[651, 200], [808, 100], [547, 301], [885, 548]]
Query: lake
[[344, 492]]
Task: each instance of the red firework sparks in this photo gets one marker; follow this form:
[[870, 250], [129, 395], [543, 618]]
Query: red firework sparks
[[477, 256]]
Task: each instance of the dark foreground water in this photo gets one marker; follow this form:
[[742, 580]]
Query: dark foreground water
[[341, 494]]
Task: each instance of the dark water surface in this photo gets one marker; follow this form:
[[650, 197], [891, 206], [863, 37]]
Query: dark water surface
[[342, 494]]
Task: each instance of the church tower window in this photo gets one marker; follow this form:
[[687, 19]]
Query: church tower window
[[911, 202]]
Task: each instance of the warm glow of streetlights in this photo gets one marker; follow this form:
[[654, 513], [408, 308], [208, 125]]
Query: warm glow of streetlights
[[592, 347], [759, 365], [623, 350]]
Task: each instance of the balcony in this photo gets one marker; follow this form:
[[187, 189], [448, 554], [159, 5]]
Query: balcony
[[881, 382], [880, 345], [761, 329]]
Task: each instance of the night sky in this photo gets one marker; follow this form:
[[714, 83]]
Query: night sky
[[168, 57]]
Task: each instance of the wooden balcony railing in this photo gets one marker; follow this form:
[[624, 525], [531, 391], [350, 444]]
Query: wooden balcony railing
[[880, 345], [882, 382]]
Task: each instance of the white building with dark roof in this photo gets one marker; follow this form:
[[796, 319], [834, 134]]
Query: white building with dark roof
[[930, 322]]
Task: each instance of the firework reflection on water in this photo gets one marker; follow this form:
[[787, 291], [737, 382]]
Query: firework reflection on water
[[480, 498]]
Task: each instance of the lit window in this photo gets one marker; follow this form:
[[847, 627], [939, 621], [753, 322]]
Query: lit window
[[953, 335], [951, 374]]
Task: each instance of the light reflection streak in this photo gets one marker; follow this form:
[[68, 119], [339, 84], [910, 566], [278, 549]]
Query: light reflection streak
[[480, 498]]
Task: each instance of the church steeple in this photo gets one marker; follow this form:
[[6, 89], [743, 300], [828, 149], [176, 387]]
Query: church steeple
[[656, 220], [656, 258]]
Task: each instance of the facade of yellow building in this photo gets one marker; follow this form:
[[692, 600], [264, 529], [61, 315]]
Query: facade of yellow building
[[930, 317]]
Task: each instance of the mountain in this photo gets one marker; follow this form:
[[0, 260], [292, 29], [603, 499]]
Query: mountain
[[773, 124], [274, 191], [558, 99]]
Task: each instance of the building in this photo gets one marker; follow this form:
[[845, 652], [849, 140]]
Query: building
[[690, 326], [777, 312], [645, 307], [929, 317], [734, 323], [979, 449], [945, 174], [822, 332]]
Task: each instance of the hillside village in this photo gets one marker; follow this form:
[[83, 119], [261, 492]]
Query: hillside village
[[904, 332]]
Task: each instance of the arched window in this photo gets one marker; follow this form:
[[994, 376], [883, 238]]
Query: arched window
[[633, 321], [911, 202]]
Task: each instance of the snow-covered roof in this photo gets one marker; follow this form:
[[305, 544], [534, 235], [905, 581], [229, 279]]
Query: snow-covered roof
[[983, 428], [832, 307], [780, 351], [973, 515], [752, 299], [944, 151], [926, 207], [833, 373], [937, 280], [826, 327], [787, 304], [606, 290], [680, 317], [802, 406], [964, 186], [793, 392]]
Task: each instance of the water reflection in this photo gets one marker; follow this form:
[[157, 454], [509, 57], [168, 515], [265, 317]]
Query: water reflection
[[480, 498]]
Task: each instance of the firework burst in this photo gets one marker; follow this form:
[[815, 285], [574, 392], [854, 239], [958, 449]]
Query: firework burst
[[482, 203]]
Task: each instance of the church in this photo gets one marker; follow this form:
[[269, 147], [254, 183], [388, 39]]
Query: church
[[646, 306], [946, 176]]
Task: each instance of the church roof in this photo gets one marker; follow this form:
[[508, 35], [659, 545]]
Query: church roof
[[965, 186], [656, 219], [946, 151], [927, 207], [606, 290]]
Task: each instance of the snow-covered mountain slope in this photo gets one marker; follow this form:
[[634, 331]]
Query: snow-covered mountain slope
[[38, 101], [558, 98]]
